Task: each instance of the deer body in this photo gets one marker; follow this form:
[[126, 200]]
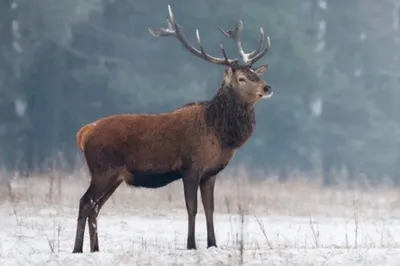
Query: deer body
[[193, 143], [150, 146]]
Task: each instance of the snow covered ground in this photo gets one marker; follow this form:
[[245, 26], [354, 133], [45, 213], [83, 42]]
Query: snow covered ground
[[284, 224]]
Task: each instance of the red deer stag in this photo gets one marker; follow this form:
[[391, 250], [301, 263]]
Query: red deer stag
[[193, 143]]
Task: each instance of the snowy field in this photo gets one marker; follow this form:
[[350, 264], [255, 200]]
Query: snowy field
[[296, 223]]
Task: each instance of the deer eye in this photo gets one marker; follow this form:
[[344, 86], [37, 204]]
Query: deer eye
[[242, 80]]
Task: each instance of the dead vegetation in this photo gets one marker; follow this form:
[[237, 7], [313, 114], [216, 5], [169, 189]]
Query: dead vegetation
[[299, 196]]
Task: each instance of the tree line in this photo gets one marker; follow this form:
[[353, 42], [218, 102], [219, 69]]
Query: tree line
[[334, 67]]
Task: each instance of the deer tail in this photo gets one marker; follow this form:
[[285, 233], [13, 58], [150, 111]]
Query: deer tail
[[82, 135]]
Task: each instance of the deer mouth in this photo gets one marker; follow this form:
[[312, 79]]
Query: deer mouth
[[267, 93]]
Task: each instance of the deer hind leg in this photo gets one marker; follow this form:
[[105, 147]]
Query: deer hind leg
[[100, 186], [85, 206], [92, 221]]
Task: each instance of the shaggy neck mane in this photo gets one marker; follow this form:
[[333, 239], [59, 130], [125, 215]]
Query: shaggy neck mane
[[232, 119]]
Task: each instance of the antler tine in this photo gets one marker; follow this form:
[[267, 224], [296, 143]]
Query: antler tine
[[175, 29], [201, 45], [235, 35], [248, 58], [260, 44], [259, 55], [171, 26], [224, 53], [171, 15]]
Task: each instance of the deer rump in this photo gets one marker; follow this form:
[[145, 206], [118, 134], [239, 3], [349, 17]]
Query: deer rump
[[148, 151]]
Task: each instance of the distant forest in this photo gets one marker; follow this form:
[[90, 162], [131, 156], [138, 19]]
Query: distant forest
[[334, 67]]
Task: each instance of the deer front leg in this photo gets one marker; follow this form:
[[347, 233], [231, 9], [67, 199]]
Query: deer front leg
[[191, 185], [207, 197]]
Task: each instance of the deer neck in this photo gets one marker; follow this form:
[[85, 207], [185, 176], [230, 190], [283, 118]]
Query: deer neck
[[232, 119]]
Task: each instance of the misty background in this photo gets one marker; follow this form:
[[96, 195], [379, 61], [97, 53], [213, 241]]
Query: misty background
[[333, 65]]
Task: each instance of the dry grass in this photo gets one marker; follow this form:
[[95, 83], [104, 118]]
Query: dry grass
[[234, 189]]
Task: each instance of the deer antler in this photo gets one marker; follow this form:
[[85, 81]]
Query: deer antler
[[248, 58], [174, 29]]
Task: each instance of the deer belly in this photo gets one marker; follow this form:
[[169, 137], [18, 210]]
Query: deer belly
[[154, 179]]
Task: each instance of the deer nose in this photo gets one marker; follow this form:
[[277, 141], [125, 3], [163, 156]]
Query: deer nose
[[267, 88]]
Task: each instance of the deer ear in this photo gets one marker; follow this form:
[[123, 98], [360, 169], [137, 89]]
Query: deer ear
[[228, 73], [261, 69]]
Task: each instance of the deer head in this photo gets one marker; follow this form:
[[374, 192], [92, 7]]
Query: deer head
[[240, 79]]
